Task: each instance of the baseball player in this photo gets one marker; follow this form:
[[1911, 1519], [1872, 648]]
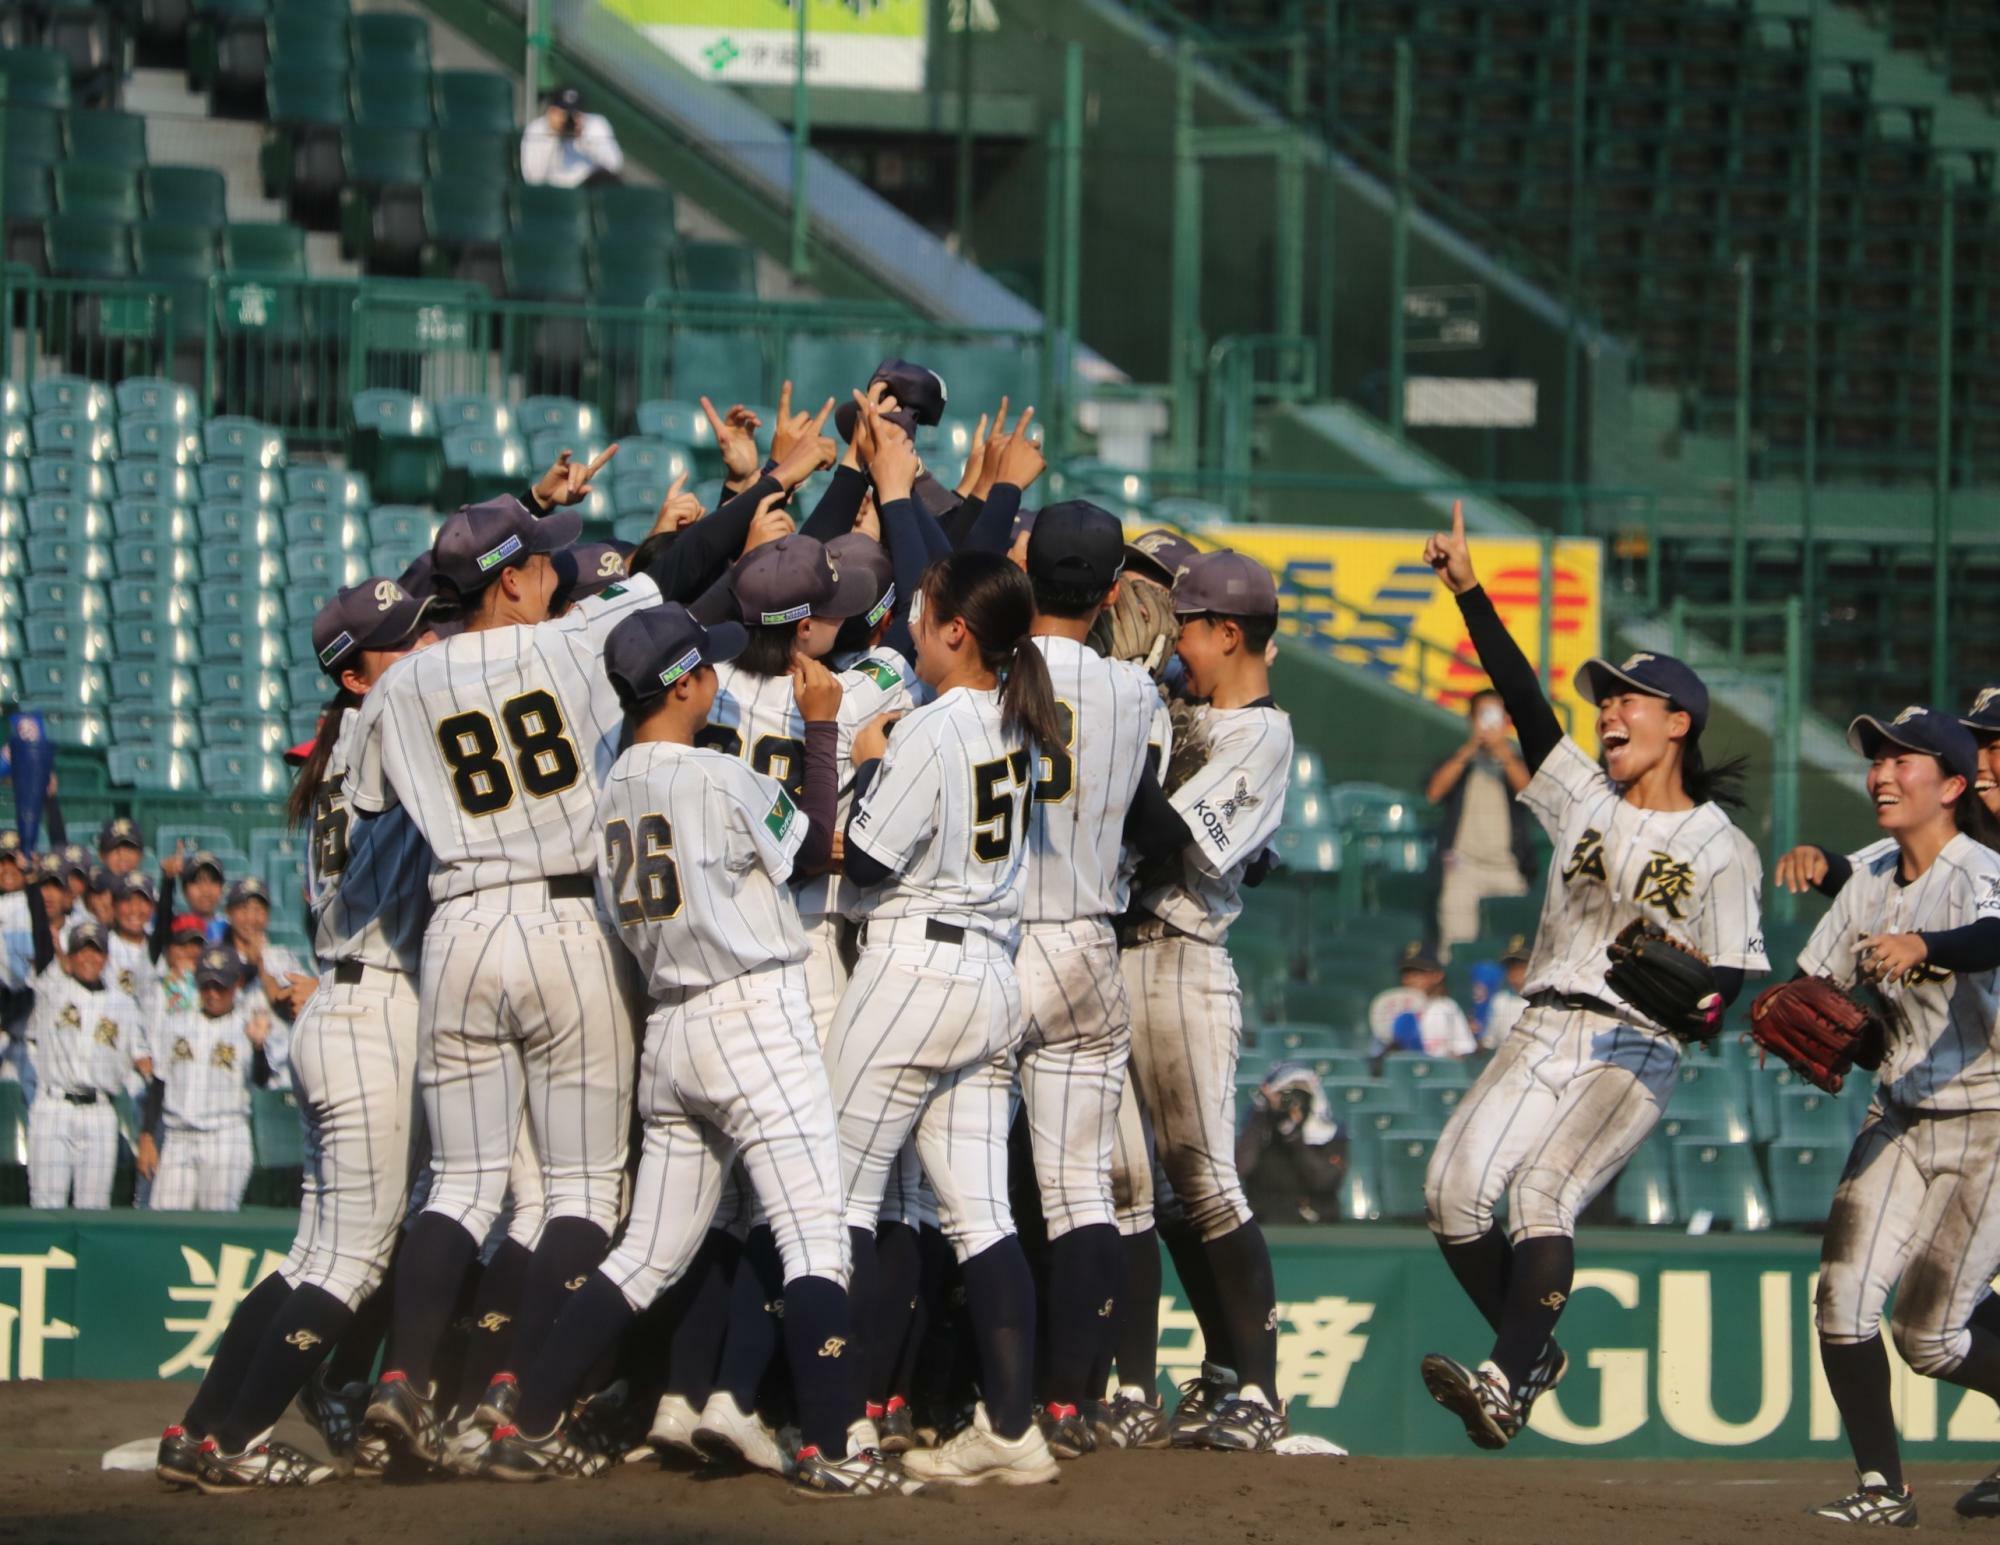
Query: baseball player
[[134, 964], [495, 742], [925, 1035], [84, 1039], [1584, 1076], [206, 1061], [1205, 826], [354, 1057], [1920, 925], [1079, 1017], [697, 851], [121, 846]]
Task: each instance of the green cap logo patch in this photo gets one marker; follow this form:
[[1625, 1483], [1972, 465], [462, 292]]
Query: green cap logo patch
[[500, 554], [680, 667]]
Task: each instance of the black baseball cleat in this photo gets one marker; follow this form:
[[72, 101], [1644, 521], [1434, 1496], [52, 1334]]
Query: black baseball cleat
[[403, 1416], [1246, 1422], [179, 1460], [497, 1406], [1983, 1501], [1479, 1399], [866, 1472], [1873, 1501], [1547, 1373], [1201, 1398], [1129, 1420], [1066, 1432], [896, 1427], [261, 1464], [512, 1455], [335, 1414]]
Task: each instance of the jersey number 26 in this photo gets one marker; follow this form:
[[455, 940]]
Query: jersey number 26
[[657, 894]]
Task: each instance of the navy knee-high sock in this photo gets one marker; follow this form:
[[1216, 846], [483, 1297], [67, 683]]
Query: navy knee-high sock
[[1249, 1302], [436, 1253], [569, 1252], [695, 1350], [1083, 1267], [489, 1336], [234, 1354], [898, 1283], [1539, 1279], [1138, 1314], [1196, 1270], [295, 1343], [1481, 1266], [1000, 1299], [1857, 1374], [353, 1359], [754, 1336], [593, 1317], [817, 1345], [934, 1259]]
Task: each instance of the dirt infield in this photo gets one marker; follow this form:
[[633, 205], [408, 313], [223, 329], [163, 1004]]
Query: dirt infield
[[51, 1489]]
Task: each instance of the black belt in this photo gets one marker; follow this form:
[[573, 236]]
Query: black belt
[[81, 1096], [1137, 928], [573, 887], [348, 972], [1577, 1002], [935, 931]]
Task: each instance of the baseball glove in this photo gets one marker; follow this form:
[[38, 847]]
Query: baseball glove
[[1190, 750], [1139, 626], [1664, 980], [1818, 1030]]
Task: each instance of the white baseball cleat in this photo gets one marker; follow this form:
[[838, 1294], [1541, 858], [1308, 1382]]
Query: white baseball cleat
[[674, 1422], [977, 1455], [726, 1435]]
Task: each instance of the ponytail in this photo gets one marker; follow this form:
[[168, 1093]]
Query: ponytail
[[997, 605], [1721, 784], [312, 773]]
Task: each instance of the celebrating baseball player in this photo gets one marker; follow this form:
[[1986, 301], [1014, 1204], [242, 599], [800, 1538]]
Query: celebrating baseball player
[[1648, 874], [1902, 976], [206, 1058], [354, 1060]]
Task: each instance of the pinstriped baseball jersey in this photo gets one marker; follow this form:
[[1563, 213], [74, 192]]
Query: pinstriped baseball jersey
[[496, 743], [131, 970], [1083, 789], [946, 812], [1690, 872], [1942, 1054], [758, 719], [80, 1039], [697, 850], [205, 1064], [1881, 846], [18, 936], [1160, 743], [1232, 804], [367, 882]]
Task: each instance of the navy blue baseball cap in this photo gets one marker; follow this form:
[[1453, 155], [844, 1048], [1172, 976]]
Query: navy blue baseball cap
[[1984, 718], [378, 613], [919, 392], [797, 577], [1159, 554], [1076, 543], [1024, 525], [219, 966], [479, 540], [89, 936], [1928, 730], [856, 553], [650, 650], [137, 883], [1654, 675], [1226, 584], [586, 569], [121, 831]]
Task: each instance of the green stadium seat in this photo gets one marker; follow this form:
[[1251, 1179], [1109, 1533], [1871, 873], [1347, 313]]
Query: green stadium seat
[[240, 770], [392, 99], [725, 367], [319, 523], [630, 213], [545, 447], [60, 683], [1809, 1115], [557, 216], [680, 421], [247, 441], [36, 77], [307, 34], [305, 598], [398, 444], [388, 41], [77, 642], [1720, 1178], [34, 134], [465, 222], [143, 641], [724, 268], [136, 517], [1716, 1095], [101, 192], [401, 527], [641, 458], [1361, 1186], [16, 438], [377, 155], [1804, 1174], [319, 563], [83, 247], [1414, 1074], [185, 195], [474, 410], [267, 251], [77, 726], [158, 439], [74, 558], [156, 479], [159, 560], [235, 482], [480, 100], [158, 767], [66, 515], [537, 267], [63, 433], [103, 137], [1404, 1156], [631, 274], [560, 415], [460, 156], [155, 394], [326, 485], [823, 365], [307, 684], [480, 464], [67, 475]]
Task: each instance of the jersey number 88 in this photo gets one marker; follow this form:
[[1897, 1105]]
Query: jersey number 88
[[546, 760]]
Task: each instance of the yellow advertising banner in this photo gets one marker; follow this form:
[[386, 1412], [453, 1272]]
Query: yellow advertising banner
[[1369, 599]]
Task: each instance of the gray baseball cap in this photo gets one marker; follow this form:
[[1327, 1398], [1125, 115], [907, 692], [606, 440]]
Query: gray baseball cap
[[1159, 554], [245, 888], [1226, 583], [219, 966], [137, 883], [649, 651], [478, 541], [856, 553], [796, 577], [89, 936], [378, 613]]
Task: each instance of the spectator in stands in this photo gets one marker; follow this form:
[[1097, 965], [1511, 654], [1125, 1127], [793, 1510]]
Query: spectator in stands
[[201, 877], [199, 1101], [567, 147], [1291, 1152], [1417, 1016], [121, 846], [1484, 847], [1496, 993]]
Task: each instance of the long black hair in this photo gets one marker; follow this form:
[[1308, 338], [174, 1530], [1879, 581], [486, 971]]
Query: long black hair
[[769, 652], [1975, 820], [1721, 784], [312, 772], [994, 600]]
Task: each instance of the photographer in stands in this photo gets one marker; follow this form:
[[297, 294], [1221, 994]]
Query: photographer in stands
[[567, 147]]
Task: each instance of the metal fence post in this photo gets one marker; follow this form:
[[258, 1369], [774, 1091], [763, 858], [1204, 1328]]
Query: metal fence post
[[1051, 258], [1329, 190], [1578, 96], [1399, 238], [801, 132], [963, 221], [1941, 493], [1546, 626], [534, 68], [1785, 776], [1072, 305], [1739, 502], [1184, 324], [1810, 579]]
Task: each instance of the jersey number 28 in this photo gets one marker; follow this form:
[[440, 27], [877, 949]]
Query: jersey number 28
[[480, 777], [658, 891]]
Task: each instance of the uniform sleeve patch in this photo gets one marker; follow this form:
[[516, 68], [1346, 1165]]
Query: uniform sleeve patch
[[885, 676], [784, 815], [611, 592]]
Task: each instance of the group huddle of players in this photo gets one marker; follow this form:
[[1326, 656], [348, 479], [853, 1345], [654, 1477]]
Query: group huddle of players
[[710, 911]]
